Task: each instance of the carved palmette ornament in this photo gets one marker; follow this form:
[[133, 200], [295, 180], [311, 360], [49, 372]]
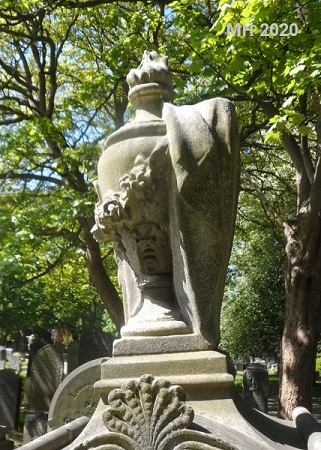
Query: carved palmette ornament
[[150, 414], [147, 410]]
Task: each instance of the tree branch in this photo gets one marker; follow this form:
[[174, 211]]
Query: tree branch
[[48, 269], [263, 198], [294, 152], [30, 177], [315, 194]]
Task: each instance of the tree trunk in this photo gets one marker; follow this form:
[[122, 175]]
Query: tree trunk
[[100, 278], [302, 314]]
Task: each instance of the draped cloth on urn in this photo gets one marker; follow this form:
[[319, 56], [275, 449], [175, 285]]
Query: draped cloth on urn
[[204, 181]]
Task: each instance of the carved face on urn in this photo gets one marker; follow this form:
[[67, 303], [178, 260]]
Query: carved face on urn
[[147, 249]]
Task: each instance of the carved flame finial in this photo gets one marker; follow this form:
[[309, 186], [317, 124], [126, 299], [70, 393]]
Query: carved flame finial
[[152, 71]]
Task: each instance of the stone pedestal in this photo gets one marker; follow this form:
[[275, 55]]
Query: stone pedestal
[[203, 376], [147, 345], [209, 392]]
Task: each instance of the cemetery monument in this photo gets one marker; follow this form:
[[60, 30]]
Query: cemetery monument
[[168, 185]]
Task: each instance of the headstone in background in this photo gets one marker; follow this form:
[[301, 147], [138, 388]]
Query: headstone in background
[[72, 356], [10, 393], [35, 346], [23, 343], [240, 366], [94, 345], [15, 362], [255, 386], [35, 425], [9, 353], [76, 396], [46, 375], [26, 389], [3, 353]]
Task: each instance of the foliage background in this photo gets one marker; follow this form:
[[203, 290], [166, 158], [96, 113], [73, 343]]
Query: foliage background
[[63, 89]]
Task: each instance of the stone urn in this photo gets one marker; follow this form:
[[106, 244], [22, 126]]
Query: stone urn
[[133, 180]]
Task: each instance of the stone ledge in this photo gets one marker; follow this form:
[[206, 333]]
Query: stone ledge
[[201, 374], [148, 345]]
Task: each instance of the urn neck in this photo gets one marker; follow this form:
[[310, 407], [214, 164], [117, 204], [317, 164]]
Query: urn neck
[[148, 101]]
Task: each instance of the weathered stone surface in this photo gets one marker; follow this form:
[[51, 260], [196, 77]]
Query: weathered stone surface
[[46, 375], [168, 187], [135, 345], [35, 345], [10, 392], [203, 376], [151, 414], [308, 427], [57, 439], [147, 414], [76, 397]]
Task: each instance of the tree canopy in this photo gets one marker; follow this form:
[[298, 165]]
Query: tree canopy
[[253, 307]]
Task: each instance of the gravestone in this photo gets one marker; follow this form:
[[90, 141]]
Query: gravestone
[[94, 345], [255, 386], [72, 356], [15, 362], [76, 396], [23, 344], [26, 389], [34, 347], [240, 366], [46, 375], [10, 391], [3, 353]]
